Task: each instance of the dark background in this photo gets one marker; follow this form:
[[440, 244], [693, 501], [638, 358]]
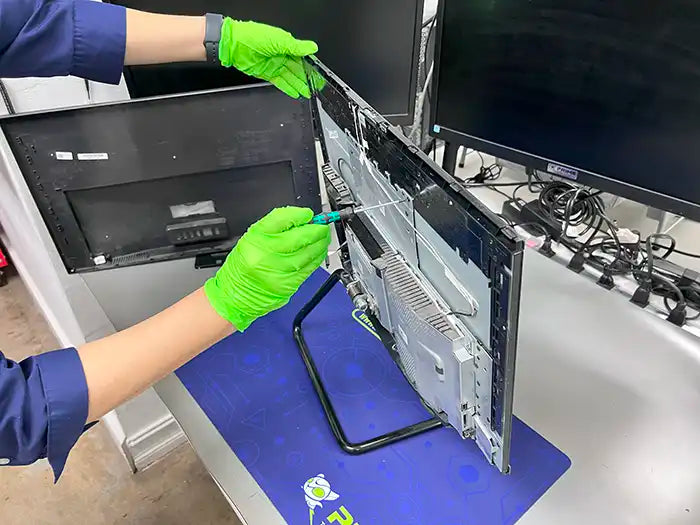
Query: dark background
[[370, 44]]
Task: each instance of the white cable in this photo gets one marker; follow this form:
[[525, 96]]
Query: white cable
[[365, 161], [472, 302], [331, 254], [421, 103]]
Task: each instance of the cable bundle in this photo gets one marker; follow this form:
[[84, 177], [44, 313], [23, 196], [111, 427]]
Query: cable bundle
[[576, 206]]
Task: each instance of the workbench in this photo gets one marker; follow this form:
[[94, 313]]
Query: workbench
[[599, 383]]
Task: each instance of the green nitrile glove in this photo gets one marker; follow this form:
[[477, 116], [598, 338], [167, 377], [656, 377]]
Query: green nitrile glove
[[316, 79], [267, 265], [266, 52]]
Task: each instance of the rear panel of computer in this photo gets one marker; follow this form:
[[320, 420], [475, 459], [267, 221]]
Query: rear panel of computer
[[437, 269]]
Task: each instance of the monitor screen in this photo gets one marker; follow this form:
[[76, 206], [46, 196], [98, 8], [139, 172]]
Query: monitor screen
[[606, 93], [372, 45], [161, 179]]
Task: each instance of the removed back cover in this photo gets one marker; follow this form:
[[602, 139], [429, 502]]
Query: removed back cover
[[164, 178]]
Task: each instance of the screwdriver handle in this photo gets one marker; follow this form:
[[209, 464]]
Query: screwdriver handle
[[326, 218], [332, 216]]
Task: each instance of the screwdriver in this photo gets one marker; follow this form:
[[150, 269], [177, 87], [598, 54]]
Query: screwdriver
[[346, 213]]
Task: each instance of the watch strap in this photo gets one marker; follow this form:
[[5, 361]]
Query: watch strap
[[212, 36]]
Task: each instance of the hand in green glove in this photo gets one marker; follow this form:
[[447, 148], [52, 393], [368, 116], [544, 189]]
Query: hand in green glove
[[267, 265], [266, 52]]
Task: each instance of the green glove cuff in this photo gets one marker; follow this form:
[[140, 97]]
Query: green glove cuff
[[226, 42], [268, 265], [221, 306]]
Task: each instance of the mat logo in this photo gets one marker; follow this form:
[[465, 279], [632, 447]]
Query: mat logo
[[362, 318], [317, 490]]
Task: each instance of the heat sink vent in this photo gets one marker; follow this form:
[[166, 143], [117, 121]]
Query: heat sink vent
[[132, 258], [413, 295]]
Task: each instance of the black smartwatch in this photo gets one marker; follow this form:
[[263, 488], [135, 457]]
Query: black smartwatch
[[212, 36]]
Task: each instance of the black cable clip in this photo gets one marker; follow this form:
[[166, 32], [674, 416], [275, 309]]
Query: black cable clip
[[546, 248], [677, 315], [641, 295], [606, 280], [576, 262]]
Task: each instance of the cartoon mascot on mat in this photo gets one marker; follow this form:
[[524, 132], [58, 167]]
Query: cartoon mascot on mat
[[317, 490]]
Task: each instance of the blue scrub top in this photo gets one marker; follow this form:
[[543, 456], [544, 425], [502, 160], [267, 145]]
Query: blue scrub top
[[45, 38]]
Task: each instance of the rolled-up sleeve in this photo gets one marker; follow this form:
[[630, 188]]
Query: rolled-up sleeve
[[43, 408], [43, 38]]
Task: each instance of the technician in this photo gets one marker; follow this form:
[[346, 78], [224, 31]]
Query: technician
[[46, 400]]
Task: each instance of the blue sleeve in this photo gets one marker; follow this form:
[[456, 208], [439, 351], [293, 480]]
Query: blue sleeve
[[43, 408], [44, 38]]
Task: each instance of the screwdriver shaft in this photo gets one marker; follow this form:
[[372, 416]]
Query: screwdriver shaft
[[357, 210], [346, 213]]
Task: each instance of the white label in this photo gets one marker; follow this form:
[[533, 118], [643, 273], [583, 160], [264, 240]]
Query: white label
[[187, 209], [64, 155], [100, 259], [93, 156], [562, 171]]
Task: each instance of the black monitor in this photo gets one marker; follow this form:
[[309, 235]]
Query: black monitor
[[372, 44], [164, 178], [604, 93]]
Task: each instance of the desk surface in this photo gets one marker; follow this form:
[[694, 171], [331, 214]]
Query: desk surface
[[615, 389]]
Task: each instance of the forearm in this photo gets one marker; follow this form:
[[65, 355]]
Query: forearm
[[123, 365], [154, 38]]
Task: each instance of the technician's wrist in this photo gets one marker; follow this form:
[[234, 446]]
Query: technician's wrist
[[201, 24]]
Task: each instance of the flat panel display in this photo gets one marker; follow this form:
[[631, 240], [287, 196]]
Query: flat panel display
[[605, 93]]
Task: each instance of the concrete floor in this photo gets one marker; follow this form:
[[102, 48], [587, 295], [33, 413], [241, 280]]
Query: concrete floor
[[97, 485]]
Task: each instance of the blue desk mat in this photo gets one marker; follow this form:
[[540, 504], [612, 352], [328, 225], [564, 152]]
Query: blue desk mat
[[255, 389]]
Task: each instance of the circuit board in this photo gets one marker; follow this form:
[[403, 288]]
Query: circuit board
[[438, 270]]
